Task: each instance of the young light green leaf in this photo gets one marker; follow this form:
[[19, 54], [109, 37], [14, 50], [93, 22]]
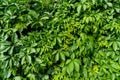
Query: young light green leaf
[[17, 78], [38, 60], [44, 18], [93, 1], [68, 61], [11, 50], [5, 49], [23, 60], [8, 74], [109, 4], [117, 10], [57, 57], [32, 50], [59, 40], [70, 67], [31, 76], [28, 58], [77, 66], [62, 56], [64, 70], [72, 56], [115, 46], [79, 9]]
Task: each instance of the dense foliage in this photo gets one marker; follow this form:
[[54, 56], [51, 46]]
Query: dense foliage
[[59, 39]]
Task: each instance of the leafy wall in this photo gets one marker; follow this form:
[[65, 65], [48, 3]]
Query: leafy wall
[[60, 39]]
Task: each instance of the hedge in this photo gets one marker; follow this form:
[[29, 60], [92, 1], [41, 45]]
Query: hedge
[[59, 39]]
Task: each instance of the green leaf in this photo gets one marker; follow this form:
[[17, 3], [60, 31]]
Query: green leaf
[[117, 10], [79, 9], [31, 76], [68, 61], [29, 59], [72, 56], [85, 73], [8, 74], [41, 23], [70, 67], [109, 4], [4, 49], [3, 58], [64, 70], [84, 7], [10, 63], [23, 60], [17, 78], [74, 47], [77, 66], [44, 18], [38, 60], [32, 50], [115, 46], [94, 1], [11, 50], [62, 55], [113, 76], [34, 45], [82, 49], [67, 53], [59, 40], [33, 14], [14, 38], [46, 77], [57, 57]]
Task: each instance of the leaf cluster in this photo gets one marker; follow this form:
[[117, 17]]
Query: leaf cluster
[[59, 39]]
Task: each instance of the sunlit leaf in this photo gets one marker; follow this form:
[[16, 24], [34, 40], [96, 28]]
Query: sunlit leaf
[[70, 67], [77, 66], [115, 46], [79, 9], [17, 78], [29, 58], [57, 57], [62, 55]]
